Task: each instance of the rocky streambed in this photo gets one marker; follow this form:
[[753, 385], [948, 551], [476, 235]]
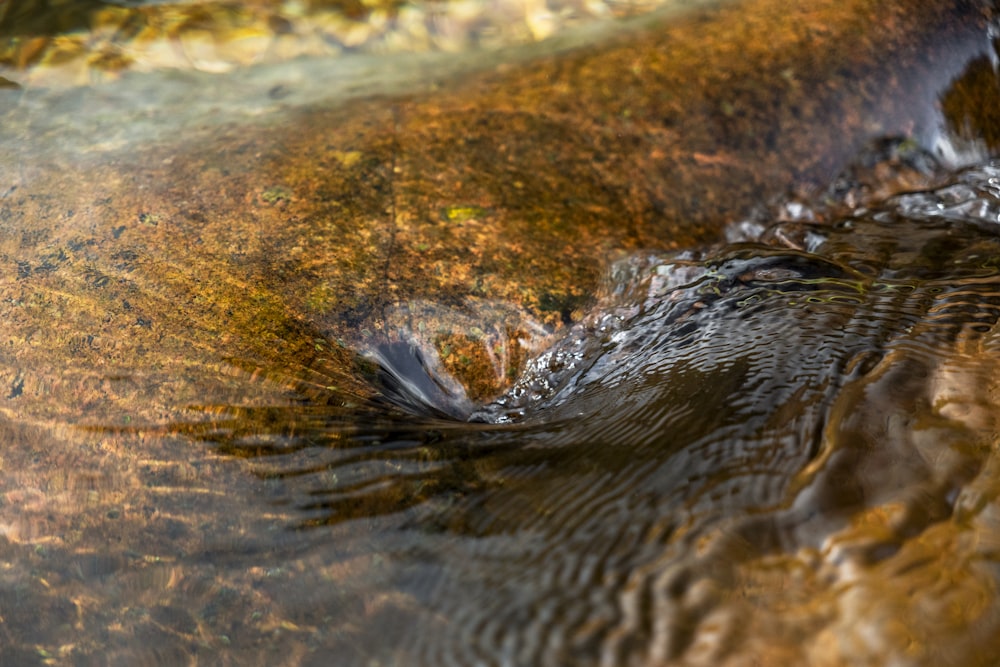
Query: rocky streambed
[[667, 344]]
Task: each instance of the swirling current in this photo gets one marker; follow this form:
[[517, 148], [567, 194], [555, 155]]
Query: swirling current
[[780, 450]]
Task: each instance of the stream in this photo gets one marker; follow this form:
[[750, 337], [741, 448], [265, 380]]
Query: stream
[[236, 429]]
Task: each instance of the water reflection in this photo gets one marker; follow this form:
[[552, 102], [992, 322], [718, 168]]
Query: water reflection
[[801, 421], [774, 451], [60, 42]]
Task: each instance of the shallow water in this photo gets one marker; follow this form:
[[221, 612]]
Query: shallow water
[[778, 449], [80, 42], [752, 453], [781, 450]]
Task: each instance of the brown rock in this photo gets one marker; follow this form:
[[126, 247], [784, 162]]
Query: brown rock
[[469, 219]]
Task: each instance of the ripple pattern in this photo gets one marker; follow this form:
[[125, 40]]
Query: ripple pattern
[[735, 451]]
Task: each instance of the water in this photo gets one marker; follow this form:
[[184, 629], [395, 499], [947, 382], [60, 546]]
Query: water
[[768, 439], [757, 452], [61, 43], [779, 449]]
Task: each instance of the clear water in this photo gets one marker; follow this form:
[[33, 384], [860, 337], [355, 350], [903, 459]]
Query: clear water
[[780, 450], [777, 450], [753, 452]]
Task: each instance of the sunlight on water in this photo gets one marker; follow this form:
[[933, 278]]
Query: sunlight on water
[[823, 415], [238, 429], [752, 453], [92, 41]]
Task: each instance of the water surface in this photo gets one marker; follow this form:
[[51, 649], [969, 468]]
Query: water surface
[[756, 452], [736, 425]]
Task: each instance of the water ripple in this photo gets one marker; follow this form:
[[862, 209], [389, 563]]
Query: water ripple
[[731, 445]]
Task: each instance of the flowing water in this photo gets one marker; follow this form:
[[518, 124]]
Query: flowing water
[[780, 448], [778, 451]]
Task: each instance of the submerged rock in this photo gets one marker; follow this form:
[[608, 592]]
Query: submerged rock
[[758, 454], [229, 313], [164, 239]]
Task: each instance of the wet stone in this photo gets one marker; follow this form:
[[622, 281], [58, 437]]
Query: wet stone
[[606, 354]]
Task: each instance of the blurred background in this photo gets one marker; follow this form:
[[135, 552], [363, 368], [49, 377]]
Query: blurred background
[[73, 42]]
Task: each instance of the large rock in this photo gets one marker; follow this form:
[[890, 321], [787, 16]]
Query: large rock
[[174, 241], [148, 270]]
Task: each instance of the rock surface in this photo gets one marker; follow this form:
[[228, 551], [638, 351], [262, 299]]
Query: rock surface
[[471, 219]]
